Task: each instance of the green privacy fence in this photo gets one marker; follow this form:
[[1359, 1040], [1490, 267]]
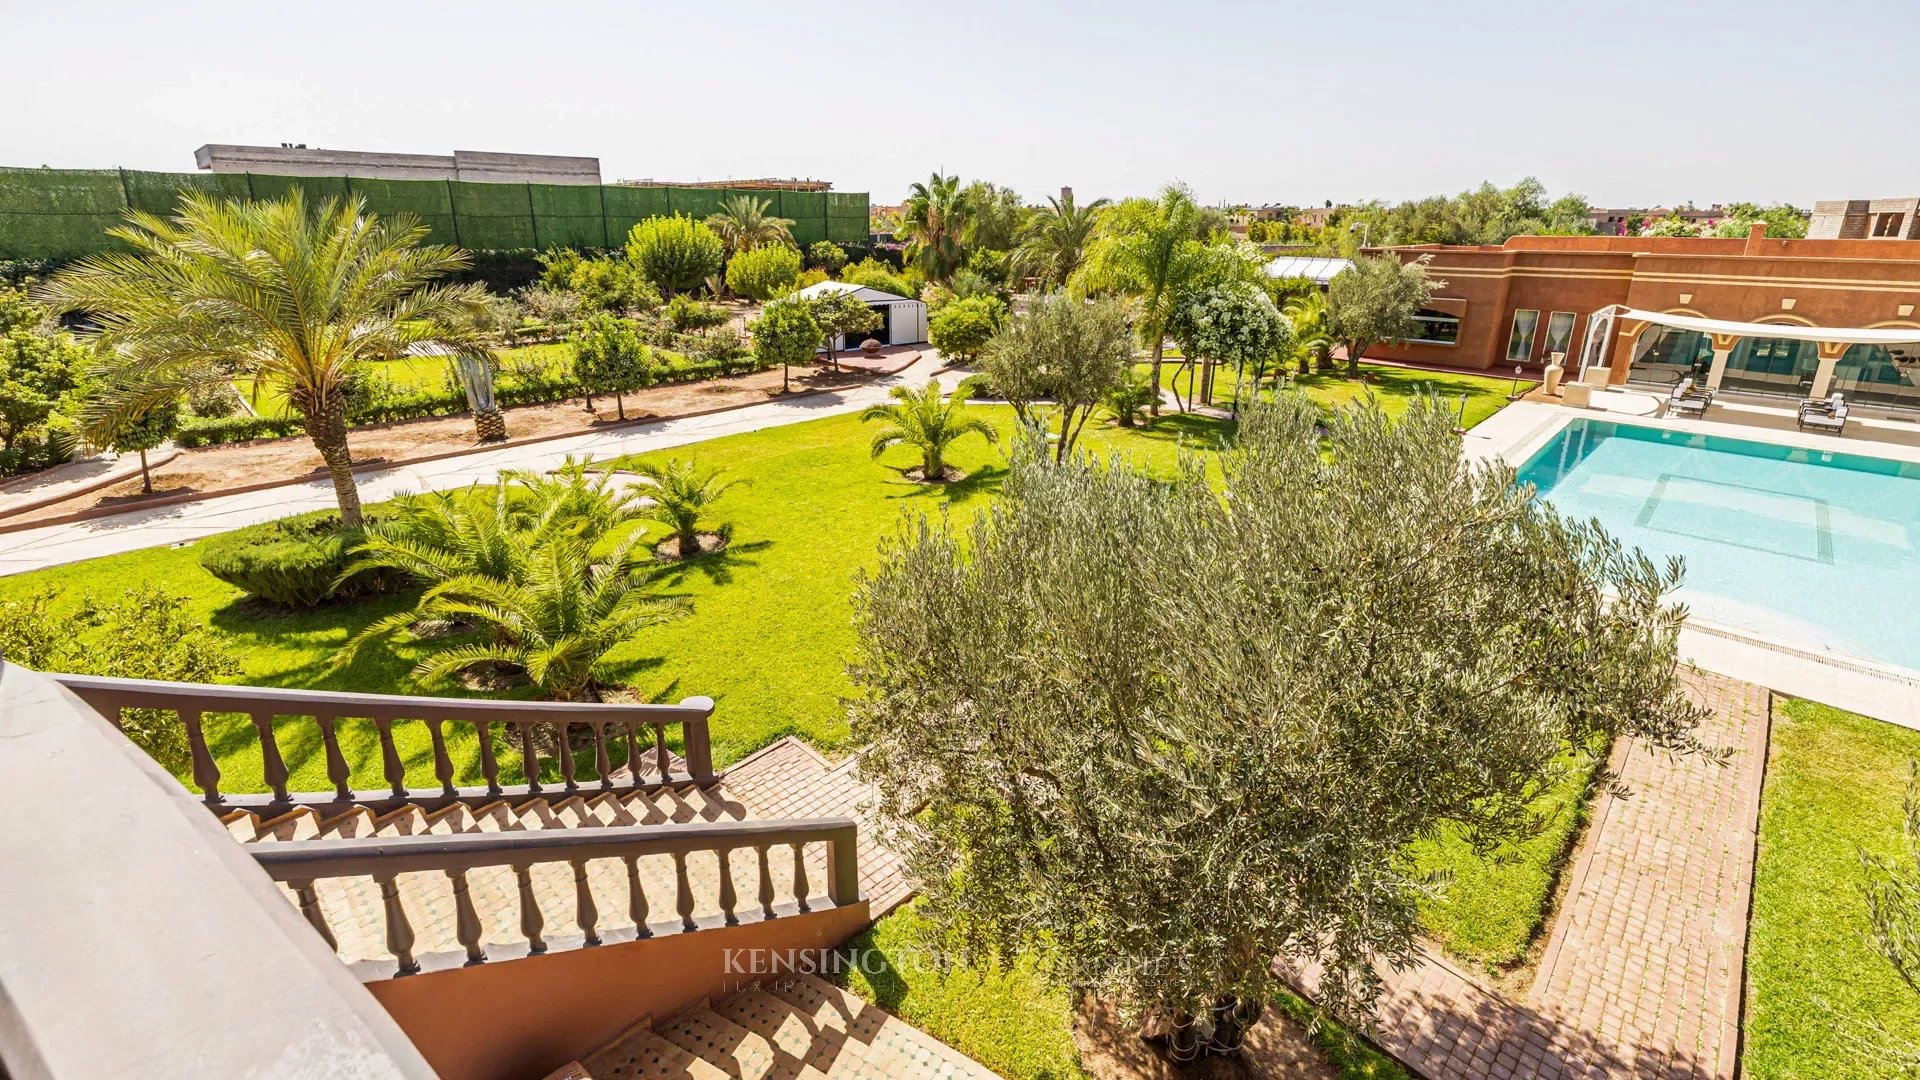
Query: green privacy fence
[[64, 213]]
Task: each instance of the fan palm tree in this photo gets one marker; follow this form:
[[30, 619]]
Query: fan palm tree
[[287, 294], [933, 220], [1054, 243], [743, 223], [920, 419], [1312, 321], [520, 564], [682, 493]]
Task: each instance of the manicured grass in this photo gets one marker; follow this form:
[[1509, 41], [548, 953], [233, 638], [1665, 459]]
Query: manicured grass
[[771, 629], [1815, 986], [1493, 905], [1008, 1017], [414, 373], [1352, 1056], [1396, 388]]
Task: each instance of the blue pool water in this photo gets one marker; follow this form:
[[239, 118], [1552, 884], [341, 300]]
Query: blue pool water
[[1811, 547]]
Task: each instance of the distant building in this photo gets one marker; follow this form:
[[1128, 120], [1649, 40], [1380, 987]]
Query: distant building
[[472, 165], [1865, 219], [1613, 221]]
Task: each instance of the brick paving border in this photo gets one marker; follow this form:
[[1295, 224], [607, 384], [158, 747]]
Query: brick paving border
[[1643, 968]]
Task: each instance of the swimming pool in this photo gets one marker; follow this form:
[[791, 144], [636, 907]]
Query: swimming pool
[[1810, 547]]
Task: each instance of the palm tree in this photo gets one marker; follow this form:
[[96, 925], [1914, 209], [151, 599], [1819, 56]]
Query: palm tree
[[682, 493], [520, 564], [743, 223], [1148, 249], [1055, 241], [1312, 323], [289, 295], [921, 419], [933, 220]]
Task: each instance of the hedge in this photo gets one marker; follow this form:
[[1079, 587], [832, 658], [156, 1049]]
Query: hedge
[[430, 403]]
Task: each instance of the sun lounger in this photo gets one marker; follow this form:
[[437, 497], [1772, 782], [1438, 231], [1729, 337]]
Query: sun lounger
[[1824, 414], [1686, 398]]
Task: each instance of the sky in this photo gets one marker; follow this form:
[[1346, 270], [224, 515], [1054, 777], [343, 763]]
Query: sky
[[1628, 104]]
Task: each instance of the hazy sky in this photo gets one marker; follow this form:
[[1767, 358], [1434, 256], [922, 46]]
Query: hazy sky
[[1626, 103]]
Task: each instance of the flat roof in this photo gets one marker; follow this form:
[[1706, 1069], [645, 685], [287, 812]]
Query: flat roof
[[1321, 270]]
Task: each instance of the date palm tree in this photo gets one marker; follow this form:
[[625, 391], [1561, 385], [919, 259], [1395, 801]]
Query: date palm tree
[[1055, 241], [1148, 249], [1312, 323], [682, 494], [290, 295], [521, 565], [920, 419], [743, 223], [933, 221]]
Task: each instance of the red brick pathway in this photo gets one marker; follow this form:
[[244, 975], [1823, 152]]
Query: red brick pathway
[[1641, 974]]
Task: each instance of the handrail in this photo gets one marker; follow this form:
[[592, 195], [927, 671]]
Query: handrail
[[299, 864], [523, 719], [132, 904]]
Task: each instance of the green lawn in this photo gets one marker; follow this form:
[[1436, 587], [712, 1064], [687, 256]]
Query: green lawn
[[1395, 386], [412, 373], [1834, 786]]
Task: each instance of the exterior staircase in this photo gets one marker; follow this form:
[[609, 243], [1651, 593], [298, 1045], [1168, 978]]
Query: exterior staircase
[[411, 887], [797, 1026]]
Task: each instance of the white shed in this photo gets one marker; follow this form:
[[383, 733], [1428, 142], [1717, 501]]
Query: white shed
[[903, 321]]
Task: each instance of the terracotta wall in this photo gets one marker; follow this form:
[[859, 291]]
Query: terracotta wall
[[1829, 283], [519, 1018]]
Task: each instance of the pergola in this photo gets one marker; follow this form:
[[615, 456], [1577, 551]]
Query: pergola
[[1724, 334]]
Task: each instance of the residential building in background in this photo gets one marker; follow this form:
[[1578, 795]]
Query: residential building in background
[[1865, 219], [1622, 220], [299, 159], [1524, 301]]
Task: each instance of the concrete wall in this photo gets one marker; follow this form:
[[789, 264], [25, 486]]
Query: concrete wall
[[521, 1018], [472, 165]]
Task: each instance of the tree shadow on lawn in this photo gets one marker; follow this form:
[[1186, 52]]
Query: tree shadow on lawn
[[985, 480], [716, 566]]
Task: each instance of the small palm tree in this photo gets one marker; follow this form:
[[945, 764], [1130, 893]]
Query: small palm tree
[[682, 493], [1130, 398], [1055, 241], [288, 295], [919, 418], [743, 223], [520, 563], [1312, 323]]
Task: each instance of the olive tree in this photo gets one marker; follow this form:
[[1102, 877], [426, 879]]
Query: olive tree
[[1235, 323], [1158, 733], [1375, 300], [1065, 349]]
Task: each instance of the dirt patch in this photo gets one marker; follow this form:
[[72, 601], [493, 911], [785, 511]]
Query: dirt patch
[[948, 475], [668, 550], [219, 468], [1276, 1047]]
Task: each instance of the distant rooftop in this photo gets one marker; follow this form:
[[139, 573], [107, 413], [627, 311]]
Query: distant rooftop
[[299, 159]]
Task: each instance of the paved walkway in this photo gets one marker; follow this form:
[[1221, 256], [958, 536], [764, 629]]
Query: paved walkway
[[34, 549], [1642, 971]]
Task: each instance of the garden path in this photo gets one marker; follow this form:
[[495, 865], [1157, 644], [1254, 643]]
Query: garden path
[[1642, 971], [54, 545]]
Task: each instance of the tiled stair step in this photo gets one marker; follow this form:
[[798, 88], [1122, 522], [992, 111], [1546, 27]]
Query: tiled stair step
[[357, 917], [798, 1027]]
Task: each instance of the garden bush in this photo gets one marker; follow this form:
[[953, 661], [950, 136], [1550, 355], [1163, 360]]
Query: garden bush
[[763, 273], [146, 634], [676, 253], [684, 313], [293, 562], [235, 429], [963, 327]]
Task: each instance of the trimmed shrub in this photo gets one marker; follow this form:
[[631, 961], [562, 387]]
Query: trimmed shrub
[[293, 562], [878, 275], [963, 327], [763, 273], [684, 313], [234, 429], [676, 253], [826, 255]]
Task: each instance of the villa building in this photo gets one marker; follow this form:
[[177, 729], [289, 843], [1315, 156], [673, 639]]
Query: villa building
[[1788, 317]]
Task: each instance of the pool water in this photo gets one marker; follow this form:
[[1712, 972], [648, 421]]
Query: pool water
[[1810, 547]]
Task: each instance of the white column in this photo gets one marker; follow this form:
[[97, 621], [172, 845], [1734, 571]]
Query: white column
[[1719, 367], [1823, 375]]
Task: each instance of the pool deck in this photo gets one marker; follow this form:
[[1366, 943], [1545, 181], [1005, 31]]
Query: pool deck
[[1881, 691]]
